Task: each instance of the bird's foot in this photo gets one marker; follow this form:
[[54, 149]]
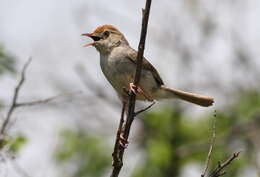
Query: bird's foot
[[137, 90], [122, 141]]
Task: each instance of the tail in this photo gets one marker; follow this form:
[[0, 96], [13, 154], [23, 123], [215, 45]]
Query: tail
[[166, 92]]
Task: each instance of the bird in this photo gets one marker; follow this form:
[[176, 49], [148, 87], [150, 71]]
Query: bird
[[118, 63]]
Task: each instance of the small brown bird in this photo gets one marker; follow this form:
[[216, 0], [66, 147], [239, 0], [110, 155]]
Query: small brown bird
[[118, 63]]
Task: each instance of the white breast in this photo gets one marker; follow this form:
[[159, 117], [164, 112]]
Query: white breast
[[118, 70]]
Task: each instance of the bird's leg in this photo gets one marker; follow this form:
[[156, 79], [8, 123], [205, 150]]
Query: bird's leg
[[126, 91], [137, 90]]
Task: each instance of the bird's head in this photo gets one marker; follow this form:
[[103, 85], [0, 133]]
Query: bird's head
[[106, 38]]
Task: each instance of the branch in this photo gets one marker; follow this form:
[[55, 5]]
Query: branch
[[118, 162], [143, 110], [14, 100], [218, 171], [15, 104], [132, 97], [44, 101], [211, 146]]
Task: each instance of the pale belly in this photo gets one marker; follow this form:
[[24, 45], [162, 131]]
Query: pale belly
[[120, 73]]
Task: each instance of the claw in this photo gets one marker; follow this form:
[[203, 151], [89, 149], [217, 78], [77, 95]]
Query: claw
[[133, 88], [122, 141], [137, 90]]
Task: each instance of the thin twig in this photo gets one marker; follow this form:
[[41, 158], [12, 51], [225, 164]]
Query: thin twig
[[211, 146], [218, 171], [44, 101], [14, 100], [132, 98], [15, 104], [142, 110]]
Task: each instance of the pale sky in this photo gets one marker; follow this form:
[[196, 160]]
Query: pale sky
[[49, 31]]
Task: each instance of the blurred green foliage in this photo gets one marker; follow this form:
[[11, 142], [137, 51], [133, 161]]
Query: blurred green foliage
[[89, 153], [13, 144], [17, 144], [183, 140], [171, 140], [7, 63]]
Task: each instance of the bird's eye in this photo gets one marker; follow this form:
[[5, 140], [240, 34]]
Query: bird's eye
[[105, 34]]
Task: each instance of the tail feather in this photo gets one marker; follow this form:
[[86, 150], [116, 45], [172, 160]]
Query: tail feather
[[166, 92]]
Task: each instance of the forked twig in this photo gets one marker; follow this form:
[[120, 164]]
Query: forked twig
[[142, 110], [15, 104], [14, 100], [218, 171]]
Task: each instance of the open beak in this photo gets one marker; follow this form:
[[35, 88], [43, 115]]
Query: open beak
[[92, 36]]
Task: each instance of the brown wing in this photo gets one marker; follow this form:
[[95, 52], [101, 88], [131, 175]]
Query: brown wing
[[132, 55]]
